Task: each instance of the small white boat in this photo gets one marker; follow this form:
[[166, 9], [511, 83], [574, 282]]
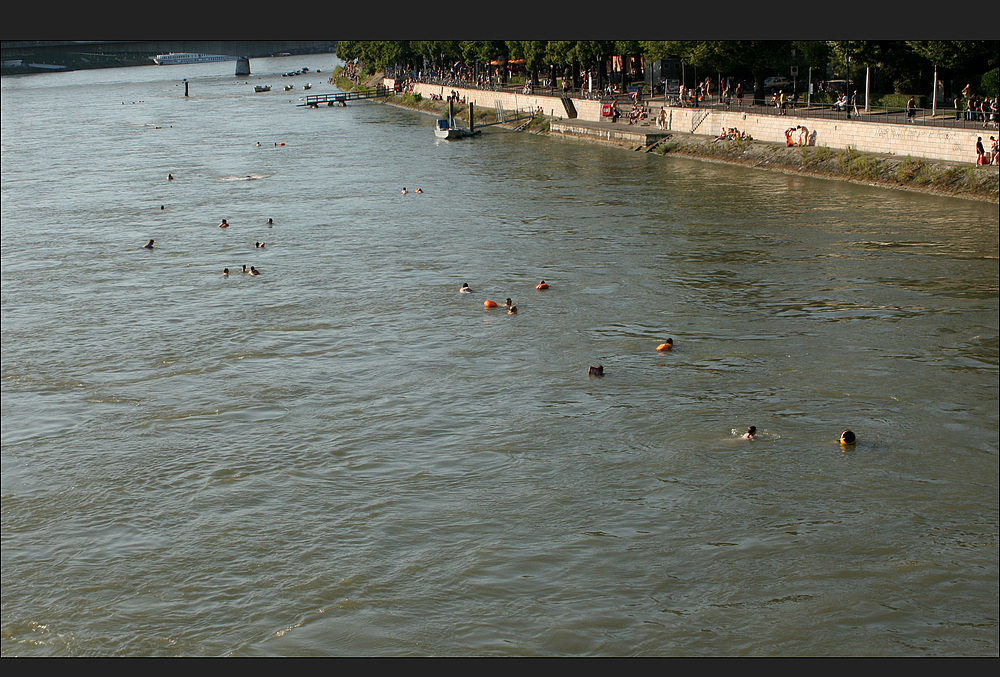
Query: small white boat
[[308, 85], [449, 129], [288, 87], [262, 88]]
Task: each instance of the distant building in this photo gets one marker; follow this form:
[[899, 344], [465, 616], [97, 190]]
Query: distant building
[[664, 75]]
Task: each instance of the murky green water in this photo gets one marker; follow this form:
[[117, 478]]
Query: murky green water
[[345, 456]]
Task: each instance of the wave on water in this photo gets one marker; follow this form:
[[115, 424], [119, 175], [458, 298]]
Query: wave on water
[[247, 177]]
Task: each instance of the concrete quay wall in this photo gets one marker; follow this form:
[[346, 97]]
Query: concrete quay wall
[[935, 143], [552, 106]]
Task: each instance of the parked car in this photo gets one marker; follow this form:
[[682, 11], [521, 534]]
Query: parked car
[[838, 85], [778, 82]]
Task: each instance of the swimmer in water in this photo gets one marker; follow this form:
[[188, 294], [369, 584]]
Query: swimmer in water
[[224, 224], [508, 303], [847, 438], [403, 191], [148, 245], [669, 345], [466, 289], [225, 272], [270, 222], [541, 285], [751, 433], [170, 177], [418, 191], [597, 371], [254, 271], [245, 268], [258, 245], [512, 310]]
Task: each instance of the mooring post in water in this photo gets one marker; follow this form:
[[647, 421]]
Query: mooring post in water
[[472, 119], [243, 66], [185, 87]]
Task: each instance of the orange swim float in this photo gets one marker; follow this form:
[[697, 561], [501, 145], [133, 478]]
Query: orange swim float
[[669, 345], [490, 304], [541, 285]]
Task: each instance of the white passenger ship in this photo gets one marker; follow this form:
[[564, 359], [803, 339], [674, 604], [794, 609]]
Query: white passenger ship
[[189, 57]]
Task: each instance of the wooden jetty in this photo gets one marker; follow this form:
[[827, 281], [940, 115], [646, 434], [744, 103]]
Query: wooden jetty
[[341, 98]]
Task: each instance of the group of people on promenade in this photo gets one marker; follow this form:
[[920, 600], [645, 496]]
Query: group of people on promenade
[[798, 130], [984, 156], [733, 134]]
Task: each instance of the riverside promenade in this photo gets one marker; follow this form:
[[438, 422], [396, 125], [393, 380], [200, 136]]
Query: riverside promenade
[[585, 117]]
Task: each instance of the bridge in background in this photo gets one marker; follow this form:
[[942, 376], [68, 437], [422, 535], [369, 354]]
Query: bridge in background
[[68, 53]]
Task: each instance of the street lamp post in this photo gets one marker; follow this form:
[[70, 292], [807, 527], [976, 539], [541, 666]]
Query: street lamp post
[[848, 86], [934, 93]]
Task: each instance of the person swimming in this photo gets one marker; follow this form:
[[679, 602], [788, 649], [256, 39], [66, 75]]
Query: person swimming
[[258, 245], [254, 271], [751, 433], [245, 268], [403, 191], [847, 438], [541, 285], [669, 345], [148, 245], [597, 371], [270, 222], [224, 224], [466, 289], [508, 303], [170, 177], [225, 272], [512, 310], [418, 191]]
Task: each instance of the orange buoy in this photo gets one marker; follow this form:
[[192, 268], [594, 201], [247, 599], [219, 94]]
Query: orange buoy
[[541, 285], [282, 143], [490, 304]]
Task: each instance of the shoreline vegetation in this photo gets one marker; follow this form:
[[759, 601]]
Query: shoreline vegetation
[[887, 171]]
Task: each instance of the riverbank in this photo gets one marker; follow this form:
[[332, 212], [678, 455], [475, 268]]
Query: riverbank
[[887, 171], [939, 177]]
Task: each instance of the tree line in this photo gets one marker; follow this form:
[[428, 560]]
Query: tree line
[[897, 66]]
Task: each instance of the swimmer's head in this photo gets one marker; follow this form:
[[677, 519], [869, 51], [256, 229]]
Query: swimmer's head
[[752, 430], [847, 437]]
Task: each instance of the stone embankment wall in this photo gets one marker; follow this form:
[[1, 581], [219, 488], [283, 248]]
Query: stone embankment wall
[[936, 143]]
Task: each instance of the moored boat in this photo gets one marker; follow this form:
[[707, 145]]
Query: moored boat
[[449, 129]]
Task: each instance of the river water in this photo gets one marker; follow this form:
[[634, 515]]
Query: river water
[[344, 456]]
